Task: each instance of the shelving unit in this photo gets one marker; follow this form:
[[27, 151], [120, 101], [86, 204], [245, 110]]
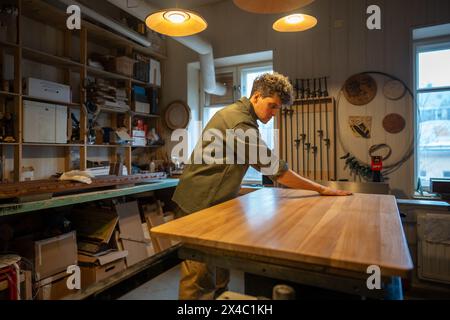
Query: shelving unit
[[42, 12]]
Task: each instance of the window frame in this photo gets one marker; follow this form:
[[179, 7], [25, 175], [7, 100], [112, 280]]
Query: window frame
[[421, 46]]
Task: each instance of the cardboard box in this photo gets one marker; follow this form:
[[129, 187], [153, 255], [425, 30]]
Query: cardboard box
[[50, 256], [54, 288], [48, 90], [95, 269]]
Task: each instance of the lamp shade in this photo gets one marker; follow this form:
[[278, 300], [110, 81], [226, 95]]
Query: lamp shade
[[176, 22], [295, 23], [271, 6]]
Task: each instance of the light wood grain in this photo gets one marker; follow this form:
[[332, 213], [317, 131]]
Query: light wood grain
[[349, 233]]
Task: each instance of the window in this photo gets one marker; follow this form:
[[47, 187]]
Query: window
[[243, 77], [433, 110]]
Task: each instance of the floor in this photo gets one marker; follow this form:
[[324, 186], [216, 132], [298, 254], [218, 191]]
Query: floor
[[165, 286]]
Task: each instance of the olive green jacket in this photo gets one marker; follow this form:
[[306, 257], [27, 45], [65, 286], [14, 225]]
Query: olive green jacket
[[205, 184]]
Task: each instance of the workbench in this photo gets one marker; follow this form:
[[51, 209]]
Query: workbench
[[299, 236], [133, 276], [67, 200]]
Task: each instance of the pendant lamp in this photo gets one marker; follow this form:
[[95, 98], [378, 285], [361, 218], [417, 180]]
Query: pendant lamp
[[295, 23], [176, 22]]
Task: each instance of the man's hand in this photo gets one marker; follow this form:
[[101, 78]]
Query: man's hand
[[332, 192]]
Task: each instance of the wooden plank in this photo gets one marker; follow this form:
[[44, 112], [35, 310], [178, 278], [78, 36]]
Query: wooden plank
[[56, 202], [13, 190], [349, 233]]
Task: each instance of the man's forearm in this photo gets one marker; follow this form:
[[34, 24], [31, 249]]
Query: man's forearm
[[292, 180]]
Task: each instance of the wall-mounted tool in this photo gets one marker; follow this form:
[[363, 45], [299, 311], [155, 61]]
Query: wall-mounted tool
[[320, 131], [312, 130]]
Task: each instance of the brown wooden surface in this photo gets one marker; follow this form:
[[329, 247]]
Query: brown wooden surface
[[13, 190], [349, 233]]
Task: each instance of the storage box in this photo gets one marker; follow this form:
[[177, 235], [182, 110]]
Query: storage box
[[50, 256], [95, 269], [44, 123], [138, 134], [122, 65], [48, 90], [54, 288], [142, 107], [139, 142]]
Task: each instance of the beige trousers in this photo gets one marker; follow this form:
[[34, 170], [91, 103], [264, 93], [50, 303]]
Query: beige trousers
[[200, 281]]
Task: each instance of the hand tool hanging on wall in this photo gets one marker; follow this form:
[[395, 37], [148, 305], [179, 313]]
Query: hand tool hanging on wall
[[308, 127], [314, 147], [286, 111], [327, 133], [312, 97], [297, 141], [303, 136], [320, 131], [291, 114]]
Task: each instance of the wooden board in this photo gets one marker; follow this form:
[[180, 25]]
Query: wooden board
[[349, 233], [12, 190]]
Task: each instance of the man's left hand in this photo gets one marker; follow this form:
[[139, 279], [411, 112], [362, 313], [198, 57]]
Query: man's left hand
[[332, 192]]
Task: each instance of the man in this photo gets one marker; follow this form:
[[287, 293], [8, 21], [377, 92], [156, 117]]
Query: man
[[206, 184]]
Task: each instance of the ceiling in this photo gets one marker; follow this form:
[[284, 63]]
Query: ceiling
[[185, 4]]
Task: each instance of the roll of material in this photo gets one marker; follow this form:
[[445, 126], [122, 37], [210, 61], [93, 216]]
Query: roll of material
[[283, 292]]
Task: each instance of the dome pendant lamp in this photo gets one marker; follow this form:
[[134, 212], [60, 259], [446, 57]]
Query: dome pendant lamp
[[271, 6], [176, 22], [295, 23]]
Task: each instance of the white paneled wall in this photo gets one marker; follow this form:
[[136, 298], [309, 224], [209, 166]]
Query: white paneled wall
[[341, 45]]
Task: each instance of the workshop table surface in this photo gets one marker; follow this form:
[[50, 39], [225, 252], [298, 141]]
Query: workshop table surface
[[350, 233]]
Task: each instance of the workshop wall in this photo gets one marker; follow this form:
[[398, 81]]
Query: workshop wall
[[340, 46]]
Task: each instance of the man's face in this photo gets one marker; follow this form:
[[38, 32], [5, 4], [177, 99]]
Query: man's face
[[266, 108]]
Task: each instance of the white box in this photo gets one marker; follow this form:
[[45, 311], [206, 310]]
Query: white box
[[139, 142], [48, 90], [155, 72], [138, 134], [44, 123], [142, 107]]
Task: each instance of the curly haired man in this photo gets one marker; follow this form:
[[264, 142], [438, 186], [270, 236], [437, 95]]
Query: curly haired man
[[207, 184]]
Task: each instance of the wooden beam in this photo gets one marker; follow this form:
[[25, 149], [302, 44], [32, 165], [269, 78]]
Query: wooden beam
[[62, 201]]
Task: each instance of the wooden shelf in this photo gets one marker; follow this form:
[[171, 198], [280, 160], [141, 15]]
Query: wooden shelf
[[102, 36], [8, 94], [108, 146], [49, 59], [148, 147], [45, 13], [69, 104], [144, 115], [8, 44], [106, 74], [145, 84], [29, 144], [9, 144], [113, 111]]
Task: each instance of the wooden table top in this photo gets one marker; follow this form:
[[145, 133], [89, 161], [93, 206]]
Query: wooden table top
[[349, 233]]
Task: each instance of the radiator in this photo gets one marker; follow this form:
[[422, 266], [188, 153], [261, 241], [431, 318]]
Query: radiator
[[433, 232]]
